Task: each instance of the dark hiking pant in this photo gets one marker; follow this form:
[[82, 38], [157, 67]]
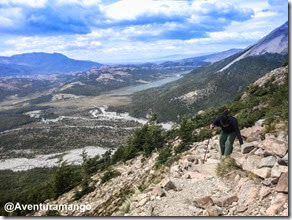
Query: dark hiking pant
[[226, 142]]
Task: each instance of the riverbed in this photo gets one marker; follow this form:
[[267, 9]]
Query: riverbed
[[71, 156], [50, 160], [99, 113]]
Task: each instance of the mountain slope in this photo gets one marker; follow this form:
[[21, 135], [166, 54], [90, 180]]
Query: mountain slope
[[206, 86], [42, 63], [172, 178], [217, 56], [274, 42], [201, 60], [161, 172]]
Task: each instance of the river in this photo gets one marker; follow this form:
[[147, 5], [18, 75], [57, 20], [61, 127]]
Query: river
[[129, 90]]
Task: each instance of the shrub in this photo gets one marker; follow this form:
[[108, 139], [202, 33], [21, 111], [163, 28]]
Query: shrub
[[84, 191], [85, 172], [153, 139], [203, 134], [98, 163], [144, 140], [164, 155], [187, 127], [226, 165], [65, 178], [108, 175], [182, 147]]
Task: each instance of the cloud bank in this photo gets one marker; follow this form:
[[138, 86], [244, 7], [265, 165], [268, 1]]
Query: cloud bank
[[107, 31]]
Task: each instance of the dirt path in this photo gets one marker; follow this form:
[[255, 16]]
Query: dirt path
[[201, 182], [191, 188]]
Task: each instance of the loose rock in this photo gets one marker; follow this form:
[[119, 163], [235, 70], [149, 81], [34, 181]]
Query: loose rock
[[276, 172], [267, 162], [279, 200], [157, 191], [246, 148], [263, 172], [284, 160], [241, 208], [264, 192], [226, 200], [167, 184], [282, 185], [270, 181], [214, 211], [275, 147], [203, 202]]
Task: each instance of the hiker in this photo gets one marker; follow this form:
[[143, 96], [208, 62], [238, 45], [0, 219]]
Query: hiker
[[229, 130]]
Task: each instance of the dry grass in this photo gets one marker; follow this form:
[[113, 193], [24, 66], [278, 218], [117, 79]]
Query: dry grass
[[91, 101], [226, 165], [125, 207]]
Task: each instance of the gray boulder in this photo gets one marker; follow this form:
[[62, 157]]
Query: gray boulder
[[267, 162], [247, 147], [283, 160]]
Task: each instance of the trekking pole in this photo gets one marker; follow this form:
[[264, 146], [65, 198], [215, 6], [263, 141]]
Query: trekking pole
[[207, 146]]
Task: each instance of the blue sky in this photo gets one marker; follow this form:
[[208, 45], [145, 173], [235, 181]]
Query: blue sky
[[124, 31]]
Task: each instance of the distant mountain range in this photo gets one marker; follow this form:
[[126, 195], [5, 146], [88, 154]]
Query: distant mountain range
[[213, 84], [88, 78], [42, 63], [56, 63]]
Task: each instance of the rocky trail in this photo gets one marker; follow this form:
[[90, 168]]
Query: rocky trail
[[256, 186]]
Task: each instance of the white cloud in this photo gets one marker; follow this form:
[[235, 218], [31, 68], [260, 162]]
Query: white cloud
[[85, 3], [235, 36], [264, 14], [10, 16], [31, 3], [131, 9], [123, 44]]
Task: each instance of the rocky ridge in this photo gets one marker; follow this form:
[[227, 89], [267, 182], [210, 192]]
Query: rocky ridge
[[189, 187]]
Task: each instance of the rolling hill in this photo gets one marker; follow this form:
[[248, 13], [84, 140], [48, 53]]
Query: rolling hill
[[42, 63]]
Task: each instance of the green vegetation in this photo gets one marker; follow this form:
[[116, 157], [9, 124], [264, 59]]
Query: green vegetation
[[36, 185], [229, 83], [164, 154], [65, 178], [109, 174], [54, 139], [15, 117], [269, 102], [85, 183], [24, 186], [144, 140], [41, 99]]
